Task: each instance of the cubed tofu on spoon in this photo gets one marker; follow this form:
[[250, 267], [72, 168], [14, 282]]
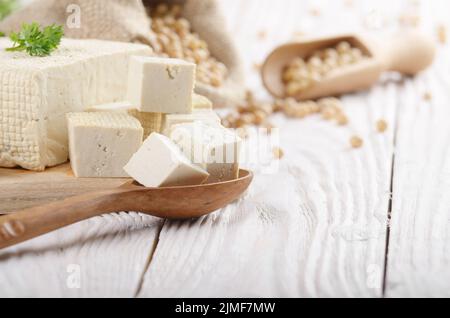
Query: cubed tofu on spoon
[[407, 53], [171, 202]]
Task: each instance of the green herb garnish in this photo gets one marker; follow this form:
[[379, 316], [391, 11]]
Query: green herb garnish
[[35, 41], [6, 7]]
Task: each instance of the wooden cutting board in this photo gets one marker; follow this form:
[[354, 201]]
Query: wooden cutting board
[[20, 189]]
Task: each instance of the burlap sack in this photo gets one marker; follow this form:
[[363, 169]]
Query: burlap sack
[[127, 21]]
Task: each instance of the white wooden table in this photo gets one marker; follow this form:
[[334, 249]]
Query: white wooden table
[[331, 222]]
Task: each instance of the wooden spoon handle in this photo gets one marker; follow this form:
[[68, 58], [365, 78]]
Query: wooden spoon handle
[[409, 53], [30, 223]]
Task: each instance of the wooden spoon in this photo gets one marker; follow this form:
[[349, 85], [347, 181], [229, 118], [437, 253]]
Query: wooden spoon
[[171, 203], [407, 53]]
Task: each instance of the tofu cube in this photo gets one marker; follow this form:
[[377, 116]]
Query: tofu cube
[[206, 116], [200, 102], [102, 143], [151, 122], [159, 85], [212, 147], [160, 163]]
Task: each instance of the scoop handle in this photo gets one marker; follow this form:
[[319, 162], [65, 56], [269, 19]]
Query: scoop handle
[[409, 52], [33, 222]]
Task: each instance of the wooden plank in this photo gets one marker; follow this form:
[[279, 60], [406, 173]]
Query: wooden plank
[[419, 245], [317, 227], [102, 257], [419, 248], [20, 189]]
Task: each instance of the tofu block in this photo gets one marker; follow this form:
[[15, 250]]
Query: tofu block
[[36, 93], [102, 143], [213, 148], [122, 107], [200, 102], [159, 85], [160, 163], [151, 122], [207, 116]]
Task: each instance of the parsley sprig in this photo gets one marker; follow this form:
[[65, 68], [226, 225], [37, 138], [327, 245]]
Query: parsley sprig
[[36, 41]]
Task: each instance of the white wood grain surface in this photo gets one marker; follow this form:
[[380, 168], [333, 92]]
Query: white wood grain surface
[[102, 257], [318, 227], [419, 247]]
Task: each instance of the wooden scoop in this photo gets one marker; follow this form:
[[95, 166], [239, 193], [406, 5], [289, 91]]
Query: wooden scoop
[[171, 203], [407, 53]]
